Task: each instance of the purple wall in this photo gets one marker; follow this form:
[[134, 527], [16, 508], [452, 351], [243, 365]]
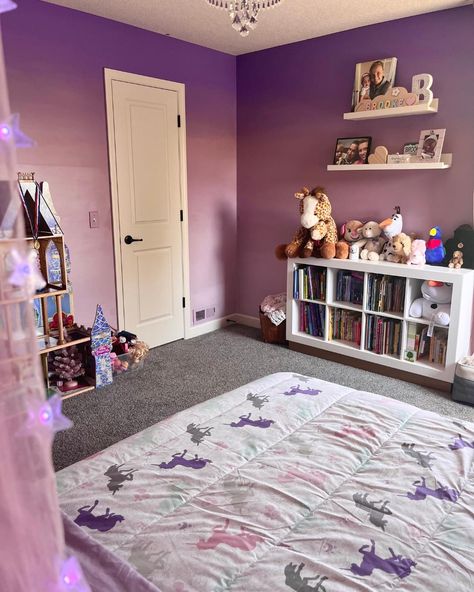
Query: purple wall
[[55, 59], [290, 105]]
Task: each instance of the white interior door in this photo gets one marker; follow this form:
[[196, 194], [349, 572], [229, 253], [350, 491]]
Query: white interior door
[[148, 206]]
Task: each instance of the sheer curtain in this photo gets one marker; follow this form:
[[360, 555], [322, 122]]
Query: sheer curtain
[[31, 535]]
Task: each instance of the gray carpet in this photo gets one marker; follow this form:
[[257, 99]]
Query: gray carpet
[[183, 373]]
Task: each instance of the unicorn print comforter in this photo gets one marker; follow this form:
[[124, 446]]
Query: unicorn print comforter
[[287, 483]]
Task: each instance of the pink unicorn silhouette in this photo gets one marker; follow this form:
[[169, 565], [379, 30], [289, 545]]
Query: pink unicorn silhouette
[[244, 540]]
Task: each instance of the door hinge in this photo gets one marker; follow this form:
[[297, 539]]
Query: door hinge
[[184, 302], [181, 215], [179, 120]]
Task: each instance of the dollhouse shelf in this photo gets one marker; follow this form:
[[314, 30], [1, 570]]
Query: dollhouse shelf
[[445, 163], [48, 344], [420, 109]]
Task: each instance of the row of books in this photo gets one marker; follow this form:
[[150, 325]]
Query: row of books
[[350, 286], [309, 283], [383, 336], [312, 318], [385, 293], [432, 349], [345, 325]]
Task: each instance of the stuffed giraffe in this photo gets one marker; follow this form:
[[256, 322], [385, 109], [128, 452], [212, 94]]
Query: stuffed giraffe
[[317, 226]]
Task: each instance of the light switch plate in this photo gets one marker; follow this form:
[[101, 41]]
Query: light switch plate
[[94, 219]]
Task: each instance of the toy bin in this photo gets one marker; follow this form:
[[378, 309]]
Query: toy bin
[[272, 333], [463, 386]]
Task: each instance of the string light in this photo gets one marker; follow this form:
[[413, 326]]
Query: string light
[[6, 5], [25, 271], [10, 130]]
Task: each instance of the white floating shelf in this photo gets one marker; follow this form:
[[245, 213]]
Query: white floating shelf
[[445, 163], [420, 109]]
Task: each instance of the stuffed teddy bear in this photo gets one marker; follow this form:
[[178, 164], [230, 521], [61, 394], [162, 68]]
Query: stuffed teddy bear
[[435, 304], [397, 249], [373, 243], [456, 260], [350, 233], [417, 253], [317, 226]]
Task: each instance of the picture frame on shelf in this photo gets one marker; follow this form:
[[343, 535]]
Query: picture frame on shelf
[[352, 151], [372, 79], [431, 145]]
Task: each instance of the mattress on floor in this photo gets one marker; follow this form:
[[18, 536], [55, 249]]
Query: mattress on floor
[[287, 483]]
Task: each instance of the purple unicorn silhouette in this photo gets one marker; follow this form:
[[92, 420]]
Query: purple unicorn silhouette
[[461, 443], [396, 564], [442, 492], [102, 523], [297, 390], [256, 423], [178, 459]]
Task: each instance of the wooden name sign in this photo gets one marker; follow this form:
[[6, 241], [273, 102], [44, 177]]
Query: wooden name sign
[[396, 97]]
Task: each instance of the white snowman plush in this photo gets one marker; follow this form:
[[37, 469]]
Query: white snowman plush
[[435, 305]]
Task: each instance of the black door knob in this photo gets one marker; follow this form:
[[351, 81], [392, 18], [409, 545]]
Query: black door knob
[[129, 240]]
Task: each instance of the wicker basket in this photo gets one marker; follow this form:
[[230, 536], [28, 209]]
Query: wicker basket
[[272, 333]]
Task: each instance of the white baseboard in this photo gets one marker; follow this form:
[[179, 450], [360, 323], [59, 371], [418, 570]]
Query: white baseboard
[[203, 328], [245, 320]]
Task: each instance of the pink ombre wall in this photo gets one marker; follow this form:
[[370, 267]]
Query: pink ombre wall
[[290, 105], [55, 59]]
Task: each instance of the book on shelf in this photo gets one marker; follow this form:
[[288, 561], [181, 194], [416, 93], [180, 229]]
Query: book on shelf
[[350, 287], [345, 325], [311, 318], [432, 349], [385, 293], [383, 336], [309, 283]]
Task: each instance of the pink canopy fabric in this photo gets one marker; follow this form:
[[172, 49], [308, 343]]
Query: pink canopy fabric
[[32, 554]]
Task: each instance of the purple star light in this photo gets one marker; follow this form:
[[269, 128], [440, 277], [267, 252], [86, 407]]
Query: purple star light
[[6, 5], [10, 129]]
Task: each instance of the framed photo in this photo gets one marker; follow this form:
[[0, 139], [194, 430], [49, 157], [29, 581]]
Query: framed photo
[[373, 79], [352, 150], [431, 144], [409, 355]]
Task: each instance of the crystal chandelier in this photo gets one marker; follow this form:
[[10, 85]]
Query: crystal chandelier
[[243, 13]]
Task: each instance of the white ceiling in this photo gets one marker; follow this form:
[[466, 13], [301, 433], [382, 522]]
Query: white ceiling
[[294, 20]]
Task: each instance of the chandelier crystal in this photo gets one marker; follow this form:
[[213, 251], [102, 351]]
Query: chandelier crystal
[[243, 13]]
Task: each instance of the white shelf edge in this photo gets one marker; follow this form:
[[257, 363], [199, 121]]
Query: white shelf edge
[[446, 161], [420, 109]]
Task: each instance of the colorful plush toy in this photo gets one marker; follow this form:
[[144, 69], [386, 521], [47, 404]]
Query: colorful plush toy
[[373, 241], [350, 233], [393, 225], [417, 253], [435, 304], [397, 249], [435, 250], [317, 227]]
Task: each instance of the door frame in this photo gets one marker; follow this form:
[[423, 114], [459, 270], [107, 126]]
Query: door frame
[[179, 88]]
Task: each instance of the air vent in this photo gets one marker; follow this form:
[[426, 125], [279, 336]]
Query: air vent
[[204, 314]]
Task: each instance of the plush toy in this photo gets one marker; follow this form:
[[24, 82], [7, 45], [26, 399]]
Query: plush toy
[[456, 260], [462, 242], [317, 226], [350, 233], [397, 249], [417, 253], [435, 303], [393, 225], [435, 250], [373, 242]]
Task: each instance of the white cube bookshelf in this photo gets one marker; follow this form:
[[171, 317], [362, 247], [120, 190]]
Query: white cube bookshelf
[[457, 334]]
